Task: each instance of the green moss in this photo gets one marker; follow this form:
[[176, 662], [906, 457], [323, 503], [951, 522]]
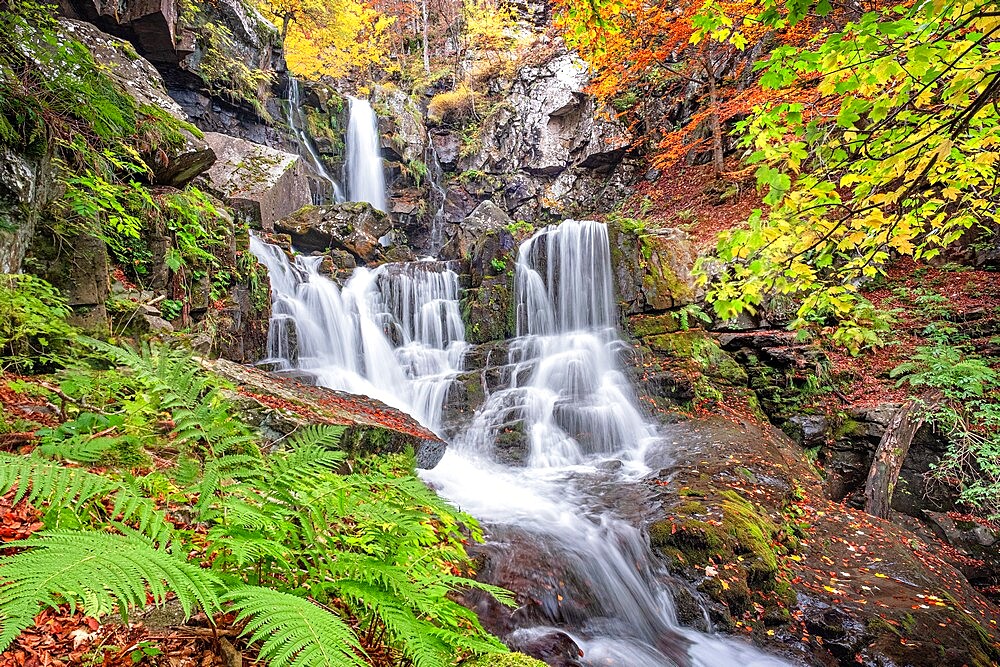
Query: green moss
[[701, 349], [753, 532], [653, 325], [691, 507], [503, 660], [849, 428]]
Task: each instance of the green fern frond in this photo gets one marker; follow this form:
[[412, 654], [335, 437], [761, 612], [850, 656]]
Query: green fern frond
[[293, 631], [43, 482], [98, 571], [316, 435]]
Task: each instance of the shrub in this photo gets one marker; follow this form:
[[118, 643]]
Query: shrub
[[33, 328], [453, 107]]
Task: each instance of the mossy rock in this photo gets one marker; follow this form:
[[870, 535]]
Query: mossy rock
[[704, 352], [744, 547], [641, 326], [503, 660]]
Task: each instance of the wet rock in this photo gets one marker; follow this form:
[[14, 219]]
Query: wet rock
[[810, 430], [488, 311], [260, 182], [354, 228], [554, 648], [976, 542]]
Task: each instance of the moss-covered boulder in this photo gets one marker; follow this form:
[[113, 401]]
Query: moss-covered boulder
[[732, 546], [652, 267], [503, 660]]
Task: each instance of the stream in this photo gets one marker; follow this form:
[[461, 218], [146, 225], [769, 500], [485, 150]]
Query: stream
[[562, 520]]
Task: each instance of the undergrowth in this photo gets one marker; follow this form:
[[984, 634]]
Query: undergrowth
[[152, 488]]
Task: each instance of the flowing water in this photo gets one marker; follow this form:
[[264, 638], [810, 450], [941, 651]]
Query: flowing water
[[365, 177], [297, 123], [395, 333]]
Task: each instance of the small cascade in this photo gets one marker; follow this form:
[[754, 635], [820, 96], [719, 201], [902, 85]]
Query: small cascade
[[394, 333], [437, 199], [573, 400], [365, 176], [550, 522], [564, 524], [297, 123]]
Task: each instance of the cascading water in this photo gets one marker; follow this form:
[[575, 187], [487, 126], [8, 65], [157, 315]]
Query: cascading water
[[586, 437], [297, 125], [365, 178], [394, 333]]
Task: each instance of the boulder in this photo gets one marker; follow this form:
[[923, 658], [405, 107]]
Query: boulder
[[355, 227], [173, 163], [279, 405], [652, 268], [261, 182], [487, 218]]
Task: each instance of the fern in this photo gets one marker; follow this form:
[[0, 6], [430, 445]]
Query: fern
[[295, 632], [42, 482], [201, 415], [97, 571]]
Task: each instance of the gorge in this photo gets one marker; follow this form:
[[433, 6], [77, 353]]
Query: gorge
[[430, 363]]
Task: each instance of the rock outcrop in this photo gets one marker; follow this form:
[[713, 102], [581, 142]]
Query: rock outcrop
[[356, 228], [281, 405], [173, 163], [548, 124], [263, 183]]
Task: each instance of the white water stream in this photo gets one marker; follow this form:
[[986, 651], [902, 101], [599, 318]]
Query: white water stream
[[297, 124], [395, 333], [365, 176]]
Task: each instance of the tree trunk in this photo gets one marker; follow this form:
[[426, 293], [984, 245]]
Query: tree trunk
[[716, 122], [427, 55], [889, 457]]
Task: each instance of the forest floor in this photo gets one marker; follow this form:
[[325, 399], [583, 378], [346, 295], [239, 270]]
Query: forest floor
[[865, 589]]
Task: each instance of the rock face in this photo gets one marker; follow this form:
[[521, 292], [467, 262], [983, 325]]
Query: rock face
[[171, 164], [652, 269], [548, 124], [354, 227], [26, 185], [486, 248], [263, 183]]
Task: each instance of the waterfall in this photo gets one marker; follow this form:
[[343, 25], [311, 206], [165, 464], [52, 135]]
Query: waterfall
[[394, 333], [365, 177], [298, 126]]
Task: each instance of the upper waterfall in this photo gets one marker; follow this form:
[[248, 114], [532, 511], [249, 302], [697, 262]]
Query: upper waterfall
[[365, 175], [298, 126]]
